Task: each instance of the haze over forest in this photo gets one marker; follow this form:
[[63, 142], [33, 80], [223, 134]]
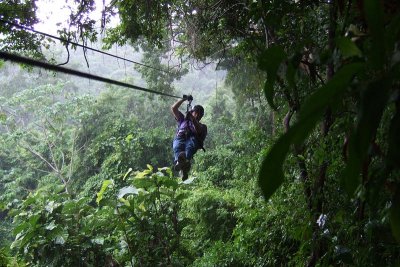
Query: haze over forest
[[301, 164]]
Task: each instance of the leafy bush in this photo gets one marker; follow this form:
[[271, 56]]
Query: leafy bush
[[149, 223], [54, 230]]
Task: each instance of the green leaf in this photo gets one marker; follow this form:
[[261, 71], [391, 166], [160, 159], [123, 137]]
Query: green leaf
[[129, 138], [168, 182], [271, 174], [127, 190], [348, 48], [30, 199], [291, 72], [143, 174], [33, 220], [181, 197], [374, 16], [188, 181], [328, 94], [150, 167], [23, 226], [51, 206], [395, 216], [373, 103], [125, 201], [392, 32], [98, 241], [126, 174], [104, 187], [61, 238], [167, 171], [3, 117], [143, 183], [393, 153], [269, 61], [51, 226]]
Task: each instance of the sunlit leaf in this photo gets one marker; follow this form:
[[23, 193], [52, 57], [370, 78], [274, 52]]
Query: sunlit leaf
[[143, 174], [167, 170], [61, 238], [98, 241], [150, 167], [51, 226], [126, 174], [104, 187], [51, 206], [127, 190], [128, 138], [125, 201], [142, 207], [348, 48], [189, 181]]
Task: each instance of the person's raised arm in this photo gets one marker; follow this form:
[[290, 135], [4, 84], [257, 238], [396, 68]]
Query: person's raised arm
[[175, 108]]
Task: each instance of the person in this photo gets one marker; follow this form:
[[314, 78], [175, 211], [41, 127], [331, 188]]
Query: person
[[189, 137]]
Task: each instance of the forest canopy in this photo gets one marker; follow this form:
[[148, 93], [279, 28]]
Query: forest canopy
[[301, 168]]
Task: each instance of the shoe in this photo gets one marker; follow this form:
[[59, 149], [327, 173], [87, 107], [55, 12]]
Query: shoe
[[180, 162], [185, 170]]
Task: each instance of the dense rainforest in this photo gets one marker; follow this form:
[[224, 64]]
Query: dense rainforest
[[302, 159]]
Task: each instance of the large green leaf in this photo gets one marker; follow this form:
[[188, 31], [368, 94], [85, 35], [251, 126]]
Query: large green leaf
[[374, 16], [328, 94], [392, 33], [127, 190], [271, 173], [269, 61], [21, 227], [373, 103], [103, 189], [395, 216], [394, 141]]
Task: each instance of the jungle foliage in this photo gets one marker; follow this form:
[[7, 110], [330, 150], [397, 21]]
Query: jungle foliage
[[301, 165]]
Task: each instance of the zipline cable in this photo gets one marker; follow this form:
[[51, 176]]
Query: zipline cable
[[44, 65], [77, 44]]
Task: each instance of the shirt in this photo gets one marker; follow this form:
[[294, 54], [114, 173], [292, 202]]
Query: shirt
[[187, 127]]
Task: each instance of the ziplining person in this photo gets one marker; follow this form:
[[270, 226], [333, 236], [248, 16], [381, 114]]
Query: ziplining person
[[190, 134]]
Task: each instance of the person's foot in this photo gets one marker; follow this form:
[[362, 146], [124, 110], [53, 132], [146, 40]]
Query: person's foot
[[180, 162], [185, 170]]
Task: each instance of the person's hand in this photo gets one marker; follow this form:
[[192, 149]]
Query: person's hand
[[187, 97], [189, 116]]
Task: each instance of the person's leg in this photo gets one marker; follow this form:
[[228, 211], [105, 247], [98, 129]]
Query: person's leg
[[190, 147], [178, 146]]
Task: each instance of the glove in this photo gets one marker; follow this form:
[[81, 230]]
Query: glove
[[187, 97]]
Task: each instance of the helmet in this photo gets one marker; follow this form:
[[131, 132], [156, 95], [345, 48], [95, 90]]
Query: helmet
[[199, 109]]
